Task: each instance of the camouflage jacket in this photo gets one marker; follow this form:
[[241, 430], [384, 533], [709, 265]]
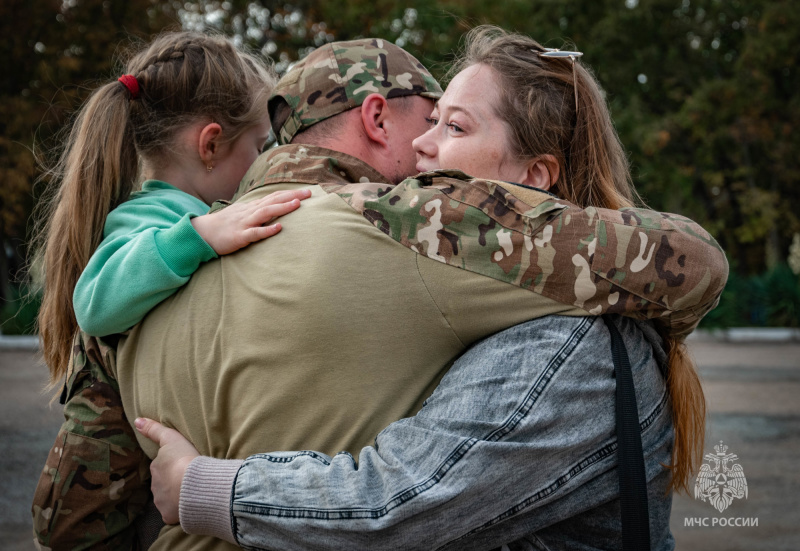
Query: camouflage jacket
[[634, 262], [96, 480]]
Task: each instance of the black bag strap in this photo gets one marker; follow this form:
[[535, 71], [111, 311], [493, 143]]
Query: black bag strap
[[634, 510]]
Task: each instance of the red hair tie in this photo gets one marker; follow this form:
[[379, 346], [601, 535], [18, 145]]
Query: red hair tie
[[130, 82]]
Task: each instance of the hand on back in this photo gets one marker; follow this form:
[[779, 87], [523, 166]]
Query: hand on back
[[240, 224], [168, 468]]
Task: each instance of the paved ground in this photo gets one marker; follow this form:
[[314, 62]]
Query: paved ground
[[754, 399], [753, 392]]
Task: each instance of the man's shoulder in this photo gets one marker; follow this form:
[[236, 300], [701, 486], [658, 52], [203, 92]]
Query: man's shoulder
[[304, 164]]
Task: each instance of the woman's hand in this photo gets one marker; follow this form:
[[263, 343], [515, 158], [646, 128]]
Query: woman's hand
[[240, 224], [167, 469]]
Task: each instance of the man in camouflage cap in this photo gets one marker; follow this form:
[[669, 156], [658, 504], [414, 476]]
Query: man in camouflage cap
[[321, 337], [338, 77], [319, 97]]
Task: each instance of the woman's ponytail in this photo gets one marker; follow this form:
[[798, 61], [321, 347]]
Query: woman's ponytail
[[688, 415]]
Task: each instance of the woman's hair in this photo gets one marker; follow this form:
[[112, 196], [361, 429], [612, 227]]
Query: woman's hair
[[183, 78], [538, 104]]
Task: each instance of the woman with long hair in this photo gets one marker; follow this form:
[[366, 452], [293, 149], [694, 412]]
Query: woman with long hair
[[557, 135]]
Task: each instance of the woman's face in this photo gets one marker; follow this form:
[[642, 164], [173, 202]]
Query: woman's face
[[466, 132]]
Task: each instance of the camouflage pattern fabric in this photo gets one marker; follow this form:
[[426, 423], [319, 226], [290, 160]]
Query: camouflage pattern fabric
[[304, 164], [338, 76], [96, 480], [635, 262]]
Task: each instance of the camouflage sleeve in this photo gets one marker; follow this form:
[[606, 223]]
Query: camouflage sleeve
[[96, 479], [635, 262]]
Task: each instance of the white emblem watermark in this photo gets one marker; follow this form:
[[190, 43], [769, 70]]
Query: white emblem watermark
[[720, 484]]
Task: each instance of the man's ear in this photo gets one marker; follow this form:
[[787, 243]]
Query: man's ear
[[542, 173], [208, 142], [374, 111]]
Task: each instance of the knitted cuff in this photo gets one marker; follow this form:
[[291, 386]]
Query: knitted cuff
[[182, 248], [205, 504]]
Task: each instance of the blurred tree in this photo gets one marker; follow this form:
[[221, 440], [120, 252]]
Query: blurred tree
[[51, 51], [703, 92], [728, 143]]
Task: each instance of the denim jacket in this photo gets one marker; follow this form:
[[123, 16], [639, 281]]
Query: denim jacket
[[515, 448]]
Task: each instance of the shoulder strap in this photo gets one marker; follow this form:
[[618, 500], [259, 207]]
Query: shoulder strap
[[634, 510]]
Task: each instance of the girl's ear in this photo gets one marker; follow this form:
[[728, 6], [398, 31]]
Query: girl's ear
[[374, 111], [208, 142], [542, 173]]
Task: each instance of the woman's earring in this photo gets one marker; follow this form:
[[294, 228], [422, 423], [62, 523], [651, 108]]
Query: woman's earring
[[209, 168]]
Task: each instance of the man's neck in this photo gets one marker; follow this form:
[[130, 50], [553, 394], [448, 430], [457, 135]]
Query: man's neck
[[315, 164], [352, 147]]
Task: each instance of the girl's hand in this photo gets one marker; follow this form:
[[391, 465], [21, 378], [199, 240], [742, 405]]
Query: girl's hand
[[240, 224], [167, 469]]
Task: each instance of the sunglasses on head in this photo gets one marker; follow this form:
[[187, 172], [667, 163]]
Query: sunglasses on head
[[555, 52]]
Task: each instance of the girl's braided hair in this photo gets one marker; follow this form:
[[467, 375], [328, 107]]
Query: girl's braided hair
[[183, 78]]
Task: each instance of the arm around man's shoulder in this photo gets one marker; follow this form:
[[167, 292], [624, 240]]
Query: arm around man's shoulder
[[150, 250], [644, 264], [635, 262]]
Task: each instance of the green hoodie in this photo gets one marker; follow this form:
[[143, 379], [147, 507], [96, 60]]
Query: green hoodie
[[149, 250]]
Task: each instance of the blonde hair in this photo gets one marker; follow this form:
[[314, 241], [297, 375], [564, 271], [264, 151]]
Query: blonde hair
[[183, 78], [538, 104]]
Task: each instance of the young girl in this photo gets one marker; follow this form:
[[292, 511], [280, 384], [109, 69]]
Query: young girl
[[190, 114]]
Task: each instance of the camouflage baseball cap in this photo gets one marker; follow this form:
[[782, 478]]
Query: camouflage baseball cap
[[339, 76]]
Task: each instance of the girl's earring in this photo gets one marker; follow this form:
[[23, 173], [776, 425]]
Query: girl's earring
[[209, 168]]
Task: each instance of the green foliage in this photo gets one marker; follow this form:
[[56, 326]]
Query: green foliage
[[54, 52], [703, 92], [783, 297], [18, 312], [771, 299]]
